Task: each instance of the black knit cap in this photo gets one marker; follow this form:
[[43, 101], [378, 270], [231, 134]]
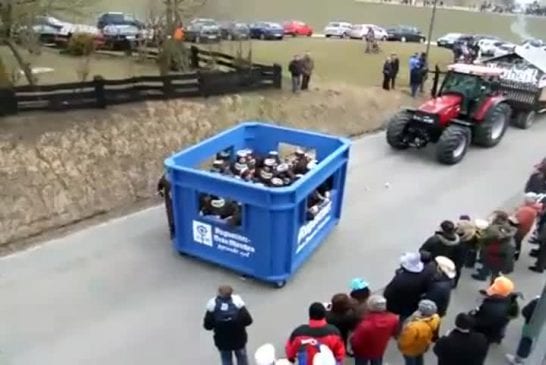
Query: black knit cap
[[447, 226], [317, 311], [464, 321]]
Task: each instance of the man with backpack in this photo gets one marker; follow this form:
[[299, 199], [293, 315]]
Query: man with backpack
[[419, 332], [306, 341], [228, 317]]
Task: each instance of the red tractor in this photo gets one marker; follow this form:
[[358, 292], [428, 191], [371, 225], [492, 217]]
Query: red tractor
[[469, 107]]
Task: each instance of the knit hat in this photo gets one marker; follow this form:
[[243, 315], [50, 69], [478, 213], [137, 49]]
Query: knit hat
[[317, 311], [377, 303], [464, 321], [446, 266], [411, 261], [502, 286], [427, 308], [464, 217], [358, 284], [448, 227], [265, 355]]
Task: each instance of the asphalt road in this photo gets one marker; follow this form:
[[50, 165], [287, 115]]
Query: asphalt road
[[117, 294]]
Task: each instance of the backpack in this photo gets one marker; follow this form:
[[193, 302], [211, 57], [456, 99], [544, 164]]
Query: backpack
[[318, 354], [225, 310], [416, 336]]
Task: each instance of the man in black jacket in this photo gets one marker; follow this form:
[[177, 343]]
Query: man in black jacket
[[228, 317], [395, 67], [295, 68], [462, 346], [387, 73]]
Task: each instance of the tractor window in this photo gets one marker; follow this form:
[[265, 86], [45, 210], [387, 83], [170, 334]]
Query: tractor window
[[466, 85]]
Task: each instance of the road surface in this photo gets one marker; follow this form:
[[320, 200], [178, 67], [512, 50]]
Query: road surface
[[117, 294]]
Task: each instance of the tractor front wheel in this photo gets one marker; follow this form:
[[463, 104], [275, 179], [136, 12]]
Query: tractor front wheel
[[396, 130], [491, 130], [453, 144], [525, 120]]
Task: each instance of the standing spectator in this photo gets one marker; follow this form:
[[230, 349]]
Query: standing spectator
[[415, 74], [228, 317], [308, 65], [526, 215], [540, 264], [498, 248], [370, 39], [372, 335], [295, 68], [395, 65], [462, 346], [439, 289], [496, 310], [525, 342], [419, 332], [537, 180], [446, 242], [304, 340], [164, 190], [387, 73], [342, 315], [407, 287], [468, 235], [423, 65], [360, 292]]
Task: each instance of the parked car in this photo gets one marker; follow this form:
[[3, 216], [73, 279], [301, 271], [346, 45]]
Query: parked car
[[296, 28], [118, 18], [487, 47], [234, 30], [203, 30], [533, 43], [337, 29], [451, 39], [503, 48], [359, 31], [122, 36], [404, 33], [266, 30]]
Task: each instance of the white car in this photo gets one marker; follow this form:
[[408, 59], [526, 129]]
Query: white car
[[337, 29], [488, 47], [502, 48], [359, 31]]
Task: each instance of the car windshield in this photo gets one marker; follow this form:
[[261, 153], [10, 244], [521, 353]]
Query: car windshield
[[116, 18], [357, 27], [241, 26], [273, 26], [334, 25]]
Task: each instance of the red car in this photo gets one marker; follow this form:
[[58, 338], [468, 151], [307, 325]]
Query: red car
[[296, 28]]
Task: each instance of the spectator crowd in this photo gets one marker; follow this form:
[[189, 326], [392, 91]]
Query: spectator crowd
[[360, 324]]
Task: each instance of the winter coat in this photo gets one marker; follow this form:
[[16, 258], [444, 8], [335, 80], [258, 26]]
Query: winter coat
[[536, 183], [417, 334], [395, 65], [404, 292], [344, 322], [228, 336], [461, 348], [526, 216], [439, 291], [416, 76], [498, 247], [387, 69], [493, 316], [320, 331], [527, 313], [372, 335], [308, 65], [295, 68], [442, 245]]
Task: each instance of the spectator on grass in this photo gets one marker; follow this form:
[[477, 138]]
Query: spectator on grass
[[370, 39], [307, 70], [423, 62], [387, 73], [395, 66], [416, 74], [295, 68]]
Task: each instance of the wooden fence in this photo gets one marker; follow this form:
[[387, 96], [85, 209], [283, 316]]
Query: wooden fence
[[99, 93]]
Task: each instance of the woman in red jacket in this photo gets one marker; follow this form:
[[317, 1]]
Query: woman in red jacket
[[526, 216], [372, 335]]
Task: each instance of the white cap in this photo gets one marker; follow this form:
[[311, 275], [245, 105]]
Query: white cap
[[265, 355], [531, 198]]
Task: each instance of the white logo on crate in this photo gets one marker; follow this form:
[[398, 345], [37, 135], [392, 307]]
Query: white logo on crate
[[310, 229], [202, 233]]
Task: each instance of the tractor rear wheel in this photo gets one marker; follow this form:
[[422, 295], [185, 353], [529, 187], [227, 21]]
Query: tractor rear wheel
[[453, 144], [491, 130], [396, 130], [525, 120]]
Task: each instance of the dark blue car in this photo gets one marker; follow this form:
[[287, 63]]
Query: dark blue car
[[266, 30]]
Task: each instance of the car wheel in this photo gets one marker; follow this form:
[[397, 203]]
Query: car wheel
[[327, 35], [524, 119], [402, 39], [309, 34], [384, 39], [294, 35], [421, 40], [262, 36]]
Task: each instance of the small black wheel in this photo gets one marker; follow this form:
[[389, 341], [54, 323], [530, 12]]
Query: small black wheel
[[280, 284], [524, 120], [396, 130]]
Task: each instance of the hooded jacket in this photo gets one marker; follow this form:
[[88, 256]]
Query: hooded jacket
[[461, 347], [493, 316], [536, 183], [404, 292], [317, 331], [498, 247], [526, 216], [439, 291], [442, 244], [372, 335]]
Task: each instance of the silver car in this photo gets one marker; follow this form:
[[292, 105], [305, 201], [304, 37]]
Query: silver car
[[337, 29]]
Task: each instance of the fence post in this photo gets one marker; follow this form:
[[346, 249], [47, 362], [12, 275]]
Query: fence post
[[203, 84], [194, 57], [98, 81], [8, 101], [167, 86], [435, 80], [277, 76]]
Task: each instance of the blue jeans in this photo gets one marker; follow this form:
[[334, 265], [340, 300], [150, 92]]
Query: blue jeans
[[414, 89], [364, 361], [417, 360], [227, 357], [524, 347]]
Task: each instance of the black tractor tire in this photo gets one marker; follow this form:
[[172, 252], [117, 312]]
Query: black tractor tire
[[484, 133], [525, 119], [453, 144], [396, 129]]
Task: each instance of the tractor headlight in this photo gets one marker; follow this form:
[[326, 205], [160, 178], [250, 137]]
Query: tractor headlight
[[424, 118]]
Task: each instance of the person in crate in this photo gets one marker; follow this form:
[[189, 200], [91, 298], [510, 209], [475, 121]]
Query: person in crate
[[164, 190], [227, 316], [304, 342], [369, 340], [418, 333], [341, 314], [462, 345]]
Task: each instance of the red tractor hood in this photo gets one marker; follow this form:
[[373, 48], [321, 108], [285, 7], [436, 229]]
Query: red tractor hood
[[446, 107]]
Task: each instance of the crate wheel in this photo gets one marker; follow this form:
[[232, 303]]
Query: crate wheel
[[280, 284]]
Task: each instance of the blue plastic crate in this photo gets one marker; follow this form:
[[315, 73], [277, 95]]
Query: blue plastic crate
[[274, 238]]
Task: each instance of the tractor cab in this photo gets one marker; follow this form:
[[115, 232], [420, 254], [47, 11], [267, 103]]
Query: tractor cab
[[472, 83]]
